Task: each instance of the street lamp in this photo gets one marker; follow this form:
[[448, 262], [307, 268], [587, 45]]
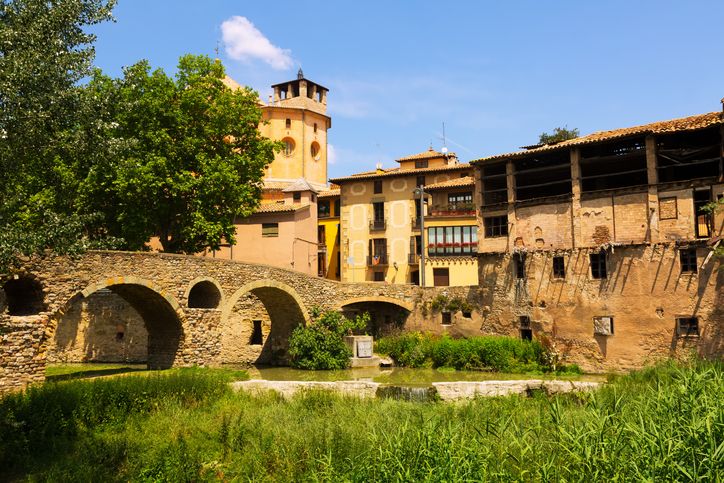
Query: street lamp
[[420, 191]]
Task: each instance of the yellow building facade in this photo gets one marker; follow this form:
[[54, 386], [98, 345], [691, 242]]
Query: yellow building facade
[[381, 238], [328, 234]]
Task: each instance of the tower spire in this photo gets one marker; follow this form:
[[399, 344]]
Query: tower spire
[[300, 74]]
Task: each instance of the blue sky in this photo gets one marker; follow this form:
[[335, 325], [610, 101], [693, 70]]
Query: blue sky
[[496, 73]]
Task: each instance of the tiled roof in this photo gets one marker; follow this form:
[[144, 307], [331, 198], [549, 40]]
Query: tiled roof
[[451, 183], [329, 193], [278, 208], [690, 123], [300, 185], [430, 153], [402, 172], [275, 185]]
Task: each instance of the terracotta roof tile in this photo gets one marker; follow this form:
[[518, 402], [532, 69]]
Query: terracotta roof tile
[[451, 183], [402, 172], [275, 185], [329, 193], [689, 123], [278, 208], [430, 153]]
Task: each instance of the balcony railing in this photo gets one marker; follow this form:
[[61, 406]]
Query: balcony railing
[[322, 247], [453, 209], [416, 223], [413, 259], [323, 214], [378, 225], [377, 260]]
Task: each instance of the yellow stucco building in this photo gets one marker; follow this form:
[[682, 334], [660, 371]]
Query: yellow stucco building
[[328, 234], [381, 238]]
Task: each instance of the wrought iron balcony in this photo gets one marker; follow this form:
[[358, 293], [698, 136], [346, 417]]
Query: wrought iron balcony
[[416, 223], [413, 259], [378, 225]]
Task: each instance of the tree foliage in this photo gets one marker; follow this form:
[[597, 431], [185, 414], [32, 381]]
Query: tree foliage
[[320, 345], [559, 134], [44, 52], [191, 160]]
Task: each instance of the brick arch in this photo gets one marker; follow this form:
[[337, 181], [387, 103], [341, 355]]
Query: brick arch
[[285, 309], [162, 315]]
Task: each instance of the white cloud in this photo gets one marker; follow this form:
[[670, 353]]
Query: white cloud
[[243, 41], [331, 154]]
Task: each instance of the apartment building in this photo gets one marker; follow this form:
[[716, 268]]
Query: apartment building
[[381, 217], [604, 242]]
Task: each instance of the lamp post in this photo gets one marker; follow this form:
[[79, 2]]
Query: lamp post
[[420, 190]]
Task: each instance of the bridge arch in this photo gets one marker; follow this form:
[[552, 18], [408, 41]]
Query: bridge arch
[[162, 315], [387, 314], [247, 335], [204, 293]]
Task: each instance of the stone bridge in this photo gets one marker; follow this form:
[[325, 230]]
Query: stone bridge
[[196, 311]]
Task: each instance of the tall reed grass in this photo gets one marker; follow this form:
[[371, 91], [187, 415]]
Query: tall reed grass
[[661, 424]]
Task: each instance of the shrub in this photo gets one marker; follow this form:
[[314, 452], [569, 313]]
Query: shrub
[[474, 353], [320, 345]]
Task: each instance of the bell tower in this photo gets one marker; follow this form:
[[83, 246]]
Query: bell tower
[[296, 115]]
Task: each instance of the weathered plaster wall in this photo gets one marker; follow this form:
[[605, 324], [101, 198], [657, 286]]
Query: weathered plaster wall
[[645, 291]]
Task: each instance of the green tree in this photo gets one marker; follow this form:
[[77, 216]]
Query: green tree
[[45, 51], [191, 157], [559, 134]]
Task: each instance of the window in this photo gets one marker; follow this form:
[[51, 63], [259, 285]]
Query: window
[[256, 335], [441, 277], [297, 196], [323, 209], [378, 210], [687, 326], [687, 258], [315, 127], [269, 230], [526, 332], [314, 151], [377, 252], [495, 226], [559, 267], [336, 208], [289, 123], [446, 318], [598, 265], [452, 241], [495, 185], [421, 163], [460, 201], [379, 276], [702, 226], [519, 263], [603, 325], [420, 181], [467, 314], [288, 146], [377, 186]]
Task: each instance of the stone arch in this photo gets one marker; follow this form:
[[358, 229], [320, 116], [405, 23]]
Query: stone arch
[[285, 310], [160, 311], [204, 293], [387, 314], [23, 295]]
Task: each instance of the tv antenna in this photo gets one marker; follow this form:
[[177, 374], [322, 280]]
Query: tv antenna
[[444, 140]]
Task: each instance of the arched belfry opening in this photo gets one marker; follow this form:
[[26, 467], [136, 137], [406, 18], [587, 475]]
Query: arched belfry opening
[[23, 296], [386, 316], [204, 295], [257, 324]]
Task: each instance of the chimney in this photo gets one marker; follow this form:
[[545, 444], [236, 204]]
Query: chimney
[[378, 168]]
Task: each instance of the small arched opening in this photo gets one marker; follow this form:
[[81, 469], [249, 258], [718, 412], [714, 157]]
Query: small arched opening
[[204, 295], [258, 321], [387, 316], [24, 296]]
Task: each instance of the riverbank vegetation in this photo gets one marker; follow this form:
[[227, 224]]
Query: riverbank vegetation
[[320, 344], [661, 424], [500, 354]]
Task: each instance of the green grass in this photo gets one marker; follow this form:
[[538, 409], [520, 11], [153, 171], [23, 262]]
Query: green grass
[[58, 372], [661, 424]]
